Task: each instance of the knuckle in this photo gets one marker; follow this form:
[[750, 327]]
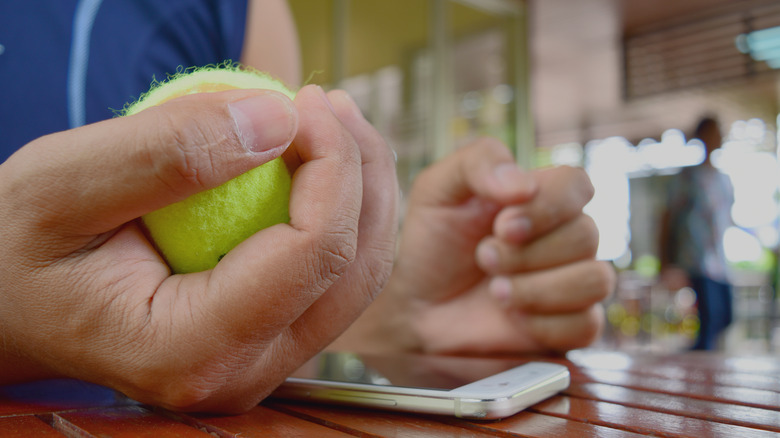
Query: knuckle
[[184, 394], [584, 184], [183, 388], [380, 267], [606, 280], [335, 251], [589, 234], [182, 153], [584, 328], [593, 326], [577, 183], [601, 281]]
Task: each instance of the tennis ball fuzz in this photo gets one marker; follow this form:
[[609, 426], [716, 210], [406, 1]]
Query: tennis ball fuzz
[[194, 234]]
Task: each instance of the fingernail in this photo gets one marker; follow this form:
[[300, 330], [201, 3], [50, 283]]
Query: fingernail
[[501, 289], [265, 121], [487, 256], [509, 175], [517, 229]]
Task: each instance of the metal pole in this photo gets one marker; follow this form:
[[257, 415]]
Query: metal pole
[[340, 40], [441, 88], [525, 133]]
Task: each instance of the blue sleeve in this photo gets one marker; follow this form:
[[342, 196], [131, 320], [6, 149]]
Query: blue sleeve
[[33, 62], [131, 42], [175, 35]]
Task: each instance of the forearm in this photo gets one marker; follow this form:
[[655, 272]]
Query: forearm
[[271, 41]]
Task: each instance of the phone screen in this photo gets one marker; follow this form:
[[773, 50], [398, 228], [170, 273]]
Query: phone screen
[[412, 371]]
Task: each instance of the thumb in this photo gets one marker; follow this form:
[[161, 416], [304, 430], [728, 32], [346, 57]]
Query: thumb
[[92, 179], [485, 169]]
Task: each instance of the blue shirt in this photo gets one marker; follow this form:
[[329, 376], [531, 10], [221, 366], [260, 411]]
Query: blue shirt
[[64, 63], [108, 53], [700, 212]]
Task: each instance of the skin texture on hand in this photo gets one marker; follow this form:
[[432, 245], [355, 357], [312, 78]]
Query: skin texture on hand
[[491, 259], [85, 295]]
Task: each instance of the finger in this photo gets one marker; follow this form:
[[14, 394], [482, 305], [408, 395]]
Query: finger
[[565, 289], [564, 332], [378, 224], [575, 240], [485, 169], [280, 271], [92, 179], [377, 229], [326, 318], [563, 192]]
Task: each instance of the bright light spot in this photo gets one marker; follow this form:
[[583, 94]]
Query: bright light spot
[[754, 177], [685, 298], [694, 152], [755, 130], [600, 360], [568, 154], [768, 236], [671, 152], [754, 173], [624, 260], [609, 207], [750, 365], [777, 142], [503, 94], [762, 45], [741, 246], [472, 101]]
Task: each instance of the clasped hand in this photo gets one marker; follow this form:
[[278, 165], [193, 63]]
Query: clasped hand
[[85, 295], [491, 258]]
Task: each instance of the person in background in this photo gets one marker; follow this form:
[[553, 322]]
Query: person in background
[[692, 254], [491, 259]]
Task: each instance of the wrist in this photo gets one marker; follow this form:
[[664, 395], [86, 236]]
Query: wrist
[[385, 326]]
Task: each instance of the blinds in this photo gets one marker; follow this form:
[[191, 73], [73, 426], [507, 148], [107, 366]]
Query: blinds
[[708, 49]]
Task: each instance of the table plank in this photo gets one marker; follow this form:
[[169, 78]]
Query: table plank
[[679, 364], [375, 423], [613, 394], [747, 416], [746, 396], [128, 421], [531, 423], [759, 373], [642, 421], [25, 426], [260, 422]]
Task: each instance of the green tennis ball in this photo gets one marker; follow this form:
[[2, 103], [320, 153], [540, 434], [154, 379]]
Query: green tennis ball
[[194, 234]]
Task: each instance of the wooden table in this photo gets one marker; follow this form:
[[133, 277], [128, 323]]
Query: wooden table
[[612, 394]]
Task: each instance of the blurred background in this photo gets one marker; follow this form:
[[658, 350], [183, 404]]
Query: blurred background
[[614, 86]]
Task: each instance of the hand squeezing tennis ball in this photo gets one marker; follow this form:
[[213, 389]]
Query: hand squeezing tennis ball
[[194, 234]]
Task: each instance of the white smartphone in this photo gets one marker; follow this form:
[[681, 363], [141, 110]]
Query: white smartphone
[[464, 387]]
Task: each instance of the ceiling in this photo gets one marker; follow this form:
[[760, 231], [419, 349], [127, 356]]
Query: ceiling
[[640, 14], [576, 60], [577, 72]]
